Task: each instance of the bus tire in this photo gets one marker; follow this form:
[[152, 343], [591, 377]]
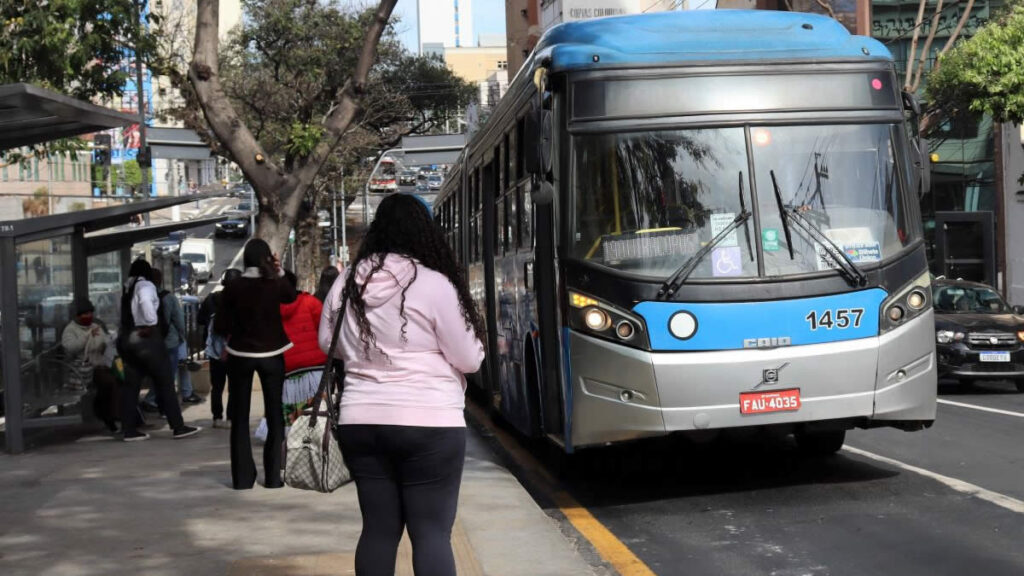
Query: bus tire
[[820, 442]]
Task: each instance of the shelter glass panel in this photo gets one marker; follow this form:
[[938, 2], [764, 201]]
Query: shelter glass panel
[[50, 384]]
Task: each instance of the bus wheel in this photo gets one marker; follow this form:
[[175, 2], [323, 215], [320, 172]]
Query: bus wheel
[[820, 442]]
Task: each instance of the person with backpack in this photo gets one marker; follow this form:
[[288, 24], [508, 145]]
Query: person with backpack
[[141, 346], [172, 326], [250, 317], [216, 347]]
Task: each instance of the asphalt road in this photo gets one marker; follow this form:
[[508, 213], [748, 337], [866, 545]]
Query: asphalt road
[[897, 503]]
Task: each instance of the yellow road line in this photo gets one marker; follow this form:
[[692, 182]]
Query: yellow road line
[[610, 548]]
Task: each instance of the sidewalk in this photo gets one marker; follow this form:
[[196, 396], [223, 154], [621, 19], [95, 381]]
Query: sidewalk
[[164, 507]]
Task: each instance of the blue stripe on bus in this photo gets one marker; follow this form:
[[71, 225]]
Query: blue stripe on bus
[[725, 326]]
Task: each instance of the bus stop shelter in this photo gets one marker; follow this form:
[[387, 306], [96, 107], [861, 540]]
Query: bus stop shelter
[[50, 262]]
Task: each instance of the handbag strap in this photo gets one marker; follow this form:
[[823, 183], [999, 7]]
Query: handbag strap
[[327, 377]]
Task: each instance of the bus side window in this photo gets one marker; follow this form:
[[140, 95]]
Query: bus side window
[[506, 156], [523, 200], [510, 222], [499, 228], [520, 158]]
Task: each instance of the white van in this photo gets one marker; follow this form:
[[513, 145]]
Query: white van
[[199, 252]]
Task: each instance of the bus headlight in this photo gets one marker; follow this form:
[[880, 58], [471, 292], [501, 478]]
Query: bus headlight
[[596, 319], [910, 301], [603, 320]]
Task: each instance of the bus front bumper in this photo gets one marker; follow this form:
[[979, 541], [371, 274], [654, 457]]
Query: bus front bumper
[[621, 393]]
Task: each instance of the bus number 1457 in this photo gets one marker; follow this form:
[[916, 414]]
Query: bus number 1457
[[840, 318]]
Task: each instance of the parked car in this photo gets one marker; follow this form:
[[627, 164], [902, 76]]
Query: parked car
[[244, 207], [200, 253], [978, 335], [169, 245], [235, 227], [407, 177], [434, 181]]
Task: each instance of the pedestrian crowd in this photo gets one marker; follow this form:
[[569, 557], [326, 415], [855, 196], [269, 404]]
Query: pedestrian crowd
[[409, 333]]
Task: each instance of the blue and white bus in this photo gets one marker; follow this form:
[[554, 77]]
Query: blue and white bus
[[692, 221]]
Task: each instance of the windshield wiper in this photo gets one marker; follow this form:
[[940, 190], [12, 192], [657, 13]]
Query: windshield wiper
[[847, 268], [676, 280]]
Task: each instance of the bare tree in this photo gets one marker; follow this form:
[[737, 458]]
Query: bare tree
[[280, 193]]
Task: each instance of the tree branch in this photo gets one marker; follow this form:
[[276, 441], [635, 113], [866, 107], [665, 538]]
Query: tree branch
[[231, 132], [927, 46], [913, 46], [342, 115], [959, 27]]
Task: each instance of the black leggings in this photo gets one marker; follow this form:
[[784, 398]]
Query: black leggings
[[240, 372], [407, 477]]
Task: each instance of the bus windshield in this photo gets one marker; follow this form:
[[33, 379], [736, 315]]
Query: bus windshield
[[646, 202]]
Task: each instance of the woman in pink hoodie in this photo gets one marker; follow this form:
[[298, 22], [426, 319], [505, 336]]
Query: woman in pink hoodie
[[409, 334]]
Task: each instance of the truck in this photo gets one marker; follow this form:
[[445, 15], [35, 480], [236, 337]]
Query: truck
[[200, 253]]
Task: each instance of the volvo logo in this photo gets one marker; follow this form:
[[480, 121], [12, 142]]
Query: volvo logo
[[770, 376], [766, 342]]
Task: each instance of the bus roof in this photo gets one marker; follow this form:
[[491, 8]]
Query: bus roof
[[703, 35]]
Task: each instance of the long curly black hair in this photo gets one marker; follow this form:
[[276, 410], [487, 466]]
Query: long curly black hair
[[403, 226]]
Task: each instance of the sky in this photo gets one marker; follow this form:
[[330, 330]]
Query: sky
[[488, 18]]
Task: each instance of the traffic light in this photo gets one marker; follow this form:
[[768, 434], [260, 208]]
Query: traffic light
[[101, 149]]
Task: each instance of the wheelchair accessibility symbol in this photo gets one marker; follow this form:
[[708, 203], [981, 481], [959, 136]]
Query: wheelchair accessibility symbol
[[726, 261]]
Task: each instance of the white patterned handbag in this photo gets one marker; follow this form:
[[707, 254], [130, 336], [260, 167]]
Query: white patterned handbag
[[314, 457]]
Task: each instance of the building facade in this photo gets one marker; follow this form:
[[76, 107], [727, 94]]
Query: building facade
[[445, 22]]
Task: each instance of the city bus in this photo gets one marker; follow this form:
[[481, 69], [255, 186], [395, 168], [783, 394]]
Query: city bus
[[699, 221]]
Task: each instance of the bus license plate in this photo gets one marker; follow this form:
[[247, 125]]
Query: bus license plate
[[995, 356], [774, 401]]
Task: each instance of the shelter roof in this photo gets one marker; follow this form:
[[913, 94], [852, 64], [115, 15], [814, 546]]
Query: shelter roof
[[30, 115]]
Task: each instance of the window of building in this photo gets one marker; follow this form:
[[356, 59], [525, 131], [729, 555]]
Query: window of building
[[502, 64]]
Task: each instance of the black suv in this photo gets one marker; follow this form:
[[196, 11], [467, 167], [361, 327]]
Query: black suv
[[978, 335]]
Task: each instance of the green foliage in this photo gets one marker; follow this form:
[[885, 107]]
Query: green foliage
[[130, 175], [72, 46], [283, 67], [986, 72], [303, 138]]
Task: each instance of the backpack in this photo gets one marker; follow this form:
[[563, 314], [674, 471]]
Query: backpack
[[161, 314]]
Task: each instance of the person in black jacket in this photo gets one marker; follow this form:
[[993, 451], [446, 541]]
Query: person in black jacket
[[218, 367], [250, 317]]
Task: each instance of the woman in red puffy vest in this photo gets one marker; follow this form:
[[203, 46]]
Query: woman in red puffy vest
[[304, 361]]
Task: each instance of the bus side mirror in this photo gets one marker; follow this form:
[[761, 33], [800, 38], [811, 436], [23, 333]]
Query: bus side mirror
[[910, 104], [542, 192], [537, 133], [922, 164]]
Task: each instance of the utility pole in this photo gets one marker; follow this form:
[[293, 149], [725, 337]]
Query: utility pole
[[344, 221], [143, 156]]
